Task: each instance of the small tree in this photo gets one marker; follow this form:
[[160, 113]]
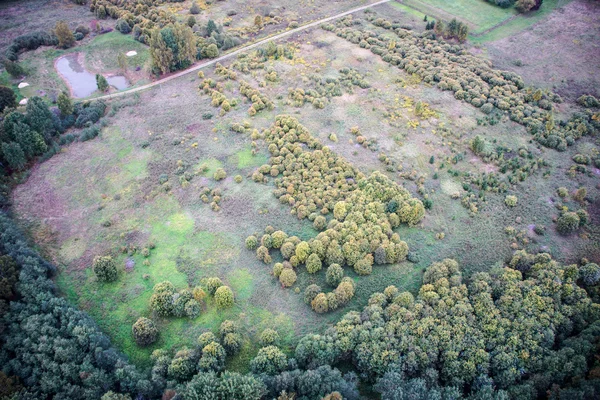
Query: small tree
[[270, 360], [287, 277], [211, 27], [65, 105], [14, 155], [313, 264], [269, 337], [144, 332], [105, 269], [334, 275], [567, 223], [101, 82], [65, 36], [211, 51], [7, 98], [122, 61], [319, 303], [224, 297], [195, 8], [191, 21]]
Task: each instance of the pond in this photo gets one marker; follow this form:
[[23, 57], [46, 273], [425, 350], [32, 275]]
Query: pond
[[82, 82]]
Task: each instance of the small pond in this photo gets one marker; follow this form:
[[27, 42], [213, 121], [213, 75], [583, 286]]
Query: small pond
[[82, 82]]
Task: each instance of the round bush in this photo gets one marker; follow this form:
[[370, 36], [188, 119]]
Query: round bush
[[567, 223], [590, 274], [251, 242], [320, 223], [313, 264], [287, 277], [220, 174], [144, 332], [206, 338], [311, 292], [269, 337], [270, 360], [277, 269], [224, 297], [192, 308], [319, 303], [105, 269], [212, 284], [511, 200], [334, 275]]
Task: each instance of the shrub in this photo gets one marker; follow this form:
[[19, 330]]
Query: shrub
[[105, 269], [334, 275], [195, 8], [311, 292], [345, 291], [212, 284], [270, 360], [192, 308], [65, 105], [65, 37], [562, 192], [251, 242], [319, 303], [224, 297], [220, 174], [211, 51], [269, 337], [364, 266], [302, 251], [567, 223], [237, 178], [144, 332], [320, 223], [590, 274], [277, 269], [510, 200], [123, 26], [7, 98], [101, 83], [14, 69], [287, 277], [313, 264], [205, 339]]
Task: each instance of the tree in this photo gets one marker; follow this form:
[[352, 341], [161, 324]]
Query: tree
[[269, 337], [65, 36], [211, 27], [590, 274], [32, 143], [122, 61], [65, 105], [524, 6], [313, 264], [251, 242], [211, 51], [40, 118], [102, 83], [195, 8], [105, 269], [334, 275], [287, 277], [123, 26], [567, 223], [14, 155], [224, 297], [270, 360], [212, 284], [319, 303], [191, 21], [7, 98], [144, 332]]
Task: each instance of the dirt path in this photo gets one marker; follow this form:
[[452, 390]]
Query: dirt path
[[238, 51]]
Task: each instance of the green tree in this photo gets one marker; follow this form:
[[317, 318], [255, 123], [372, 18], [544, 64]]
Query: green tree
[[334, 275], [105, 268], [65, 36], [32, 143], [211, 27], [270, 360], [195, 8], [102, 83], [313, 264], [224, 297], [191, 21], [65, 105], [7, 98], [144, 332], [269, 337], [287, 277], [14, 155], [211, 51], [567, 223], [39, 118], [524, 6]]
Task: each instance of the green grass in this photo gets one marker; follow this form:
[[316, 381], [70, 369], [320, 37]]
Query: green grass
[[105, 48]]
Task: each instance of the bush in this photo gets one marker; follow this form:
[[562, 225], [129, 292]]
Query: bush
[[269, 337], [287, 277], [311, 292], [590, 274], [251, 242], [14, 69], [270, 360], [211, 51], [224, 297], [105, 269], [567, 223], [562, 192], [220, 174], [102, 83], [195, 8], [123, 26], [64, 35], [313, 264], [144, 332], [320, 223], [212, 284], [89, 113], [510, 200], [319, 303], [334, 275], [7, 98]]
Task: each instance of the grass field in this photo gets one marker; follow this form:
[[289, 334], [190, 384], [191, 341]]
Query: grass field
[[95, 197]]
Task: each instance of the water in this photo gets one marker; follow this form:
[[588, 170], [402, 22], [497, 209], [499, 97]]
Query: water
[[82, 82]]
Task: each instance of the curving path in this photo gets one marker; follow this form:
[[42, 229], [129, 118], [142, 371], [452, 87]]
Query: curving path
[[236, 52]]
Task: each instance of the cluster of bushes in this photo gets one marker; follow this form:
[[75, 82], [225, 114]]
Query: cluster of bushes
[[215, 90], [317, 183], [167, 301], [212, 196], [259, 101], [173, 45], [469, 339], [322, 302], [256, 60], [473, 80], [452, 30], [25, 136], [570, 221]]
